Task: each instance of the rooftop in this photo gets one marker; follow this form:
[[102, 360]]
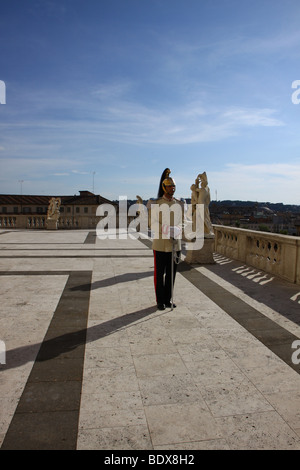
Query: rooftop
[[84, 197], [91, 364]]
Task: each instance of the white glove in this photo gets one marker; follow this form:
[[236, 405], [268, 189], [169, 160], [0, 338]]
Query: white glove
[[175, 232]]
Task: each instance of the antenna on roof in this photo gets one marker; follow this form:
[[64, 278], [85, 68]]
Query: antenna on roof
[[93, 181], [21, 182]]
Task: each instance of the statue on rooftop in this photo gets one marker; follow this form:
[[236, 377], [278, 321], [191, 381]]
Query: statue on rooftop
[[200, 200], [53, 208], [201, 195], [53, 213]]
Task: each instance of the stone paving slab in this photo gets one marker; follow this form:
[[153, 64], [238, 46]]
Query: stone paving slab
[[91, 363]]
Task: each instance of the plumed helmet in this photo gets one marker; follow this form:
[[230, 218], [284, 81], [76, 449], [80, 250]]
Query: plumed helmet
[[165, 180]]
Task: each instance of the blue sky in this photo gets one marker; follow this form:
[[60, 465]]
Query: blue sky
[[104, 94]]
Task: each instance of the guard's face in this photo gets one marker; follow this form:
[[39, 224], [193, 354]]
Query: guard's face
[[170, 190]]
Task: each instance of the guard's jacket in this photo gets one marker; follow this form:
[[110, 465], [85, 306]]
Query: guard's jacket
[[162, 223]]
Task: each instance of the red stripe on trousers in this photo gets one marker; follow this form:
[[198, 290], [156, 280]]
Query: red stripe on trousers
[[155, 279]]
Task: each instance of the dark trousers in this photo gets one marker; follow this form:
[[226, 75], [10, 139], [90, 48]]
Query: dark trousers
[[162, 276]]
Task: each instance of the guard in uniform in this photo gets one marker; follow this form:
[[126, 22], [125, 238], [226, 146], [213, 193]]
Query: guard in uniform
[[166, 239]]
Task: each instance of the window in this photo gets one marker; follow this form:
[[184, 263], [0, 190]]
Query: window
[[77, 210], [86, 210], [4, 210]]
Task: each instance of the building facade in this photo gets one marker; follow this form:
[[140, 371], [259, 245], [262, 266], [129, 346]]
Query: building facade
[[25, 211]]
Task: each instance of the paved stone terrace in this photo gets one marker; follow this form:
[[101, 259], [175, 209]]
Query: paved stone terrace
[[91, 363]]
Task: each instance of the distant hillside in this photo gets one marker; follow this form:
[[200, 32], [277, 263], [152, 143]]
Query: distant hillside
[[275, 207]]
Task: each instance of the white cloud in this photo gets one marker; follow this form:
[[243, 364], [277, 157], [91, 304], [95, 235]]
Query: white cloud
[[66, 138], [252, 117], [278, 182], [78, 172], [78, 120]]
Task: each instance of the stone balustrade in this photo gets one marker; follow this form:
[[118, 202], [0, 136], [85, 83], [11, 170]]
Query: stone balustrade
[[36, 221], [8, 222], [273, 253], [22, 221]]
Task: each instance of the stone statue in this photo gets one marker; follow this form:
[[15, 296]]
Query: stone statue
[[202, 196], [53, 209], [53, 213], [139, 200]]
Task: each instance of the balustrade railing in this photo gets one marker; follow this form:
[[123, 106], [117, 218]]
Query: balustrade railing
[[8, 222], [68, 223], [22, 221], [36, 222], [270, 252]]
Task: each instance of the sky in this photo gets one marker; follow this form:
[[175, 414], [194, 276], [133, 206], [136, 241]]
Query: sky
[[103, 95]]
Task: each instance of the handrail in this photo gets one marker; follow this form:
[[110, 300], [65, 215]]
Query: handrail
[[271, 252]]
